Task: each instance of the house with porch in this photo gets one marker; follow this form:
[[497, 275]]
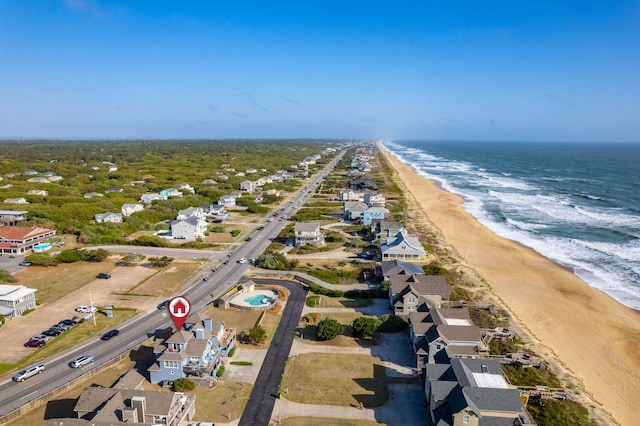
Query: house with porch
[[192, 211], [151, 197], [228, 200], [308, 234], [190, 228], [12, 217], [374, 213], [353, 210], [195, 350], [374, 199], [388, 268], [403, 246], [445, 341], [411, 293], [247, 185], [20, 200], [472, 392], [15, 299], [171, 192]]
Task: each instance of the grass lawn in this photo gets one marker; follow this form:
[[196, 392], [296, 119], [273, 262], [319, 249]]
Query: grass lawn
[[56, 281], [335, 380], [318, 421], [170, 279], [223, 403], [244, 320], [337, 302]]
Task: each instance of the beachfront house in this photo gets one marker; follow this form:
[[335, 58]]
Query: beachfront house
[[192, 211], [195, 350], [247, 185], [372, 214], [129, 209], [408, 293], [107, 217], [403, 246], [308, 234], [20, 200], [190, 228], [386, 229], [472, 392], [15, 299], [374, 199], [388, 268], [351, 195]]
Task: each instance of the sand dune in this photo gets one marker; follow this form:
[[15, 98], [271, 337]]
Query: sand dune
[[595, 337]]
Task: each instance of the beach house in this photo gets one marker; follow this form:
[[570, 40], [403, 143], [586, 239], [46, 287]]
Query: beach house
[[374, 213], [403, 246], [12, 217], [308, 234], [352, 210], [408, 293], [195, 350], [17, 240], [129, 209], [107, 217], [190, 228]]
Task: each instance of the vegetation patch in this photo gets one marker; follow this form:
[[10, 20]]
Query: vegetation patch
[[519, 376], [553, 412], [223, 403], [331, 379]]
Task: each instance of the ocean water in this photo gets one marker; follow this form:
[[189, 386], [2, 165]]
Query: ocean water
[[577, 204]]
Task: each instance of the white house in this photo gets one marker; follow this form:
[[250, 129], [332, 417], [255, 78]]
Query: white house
[[15, 299], [38, 180], [108, 217], [129, 209], [187, 187], [227, 200], [92, 194], [247, 185], [38, 192], [20, 200], [151, 197], [353, 209], [218, 211], [190, 228], [171, 192], [374, 200], [192, 211], [112, 169], [308, 233]]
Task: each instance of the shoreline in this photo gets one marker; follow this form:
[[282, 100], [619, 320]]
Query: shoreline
[[591, 334]]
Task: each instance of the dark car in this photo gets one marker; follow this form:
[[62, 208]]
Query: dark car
[[68, 322], [103, 275], [34, 343], [52, 332], [109, 334], [164, 304], [248, 239]]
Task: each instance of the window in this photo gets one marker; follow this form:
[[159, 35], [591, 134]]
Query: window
[[466, 419], [171, 364]]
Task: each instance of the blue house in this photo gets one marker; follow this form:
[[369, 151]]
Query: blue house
[[195, 350], [374, 213]]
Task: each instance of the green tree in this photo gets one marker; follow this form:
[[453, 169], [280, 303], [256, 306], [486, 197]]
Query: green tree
[[41, 259], [365, 326], [160, 262], [328, 329], [97, 255], [183, 384], [257, 335], [70, 256]]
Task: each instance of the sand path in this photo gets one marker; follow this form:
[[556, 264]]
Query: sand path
[[595, 337]]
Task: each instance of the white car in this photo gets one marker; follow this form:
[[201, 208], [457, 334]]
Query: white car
[[81, 361], [243, 260], [86, 309]]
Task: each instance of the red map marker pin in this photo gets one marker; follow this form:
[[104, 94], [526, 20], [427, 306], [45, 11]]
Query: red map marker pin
[[179, 308]]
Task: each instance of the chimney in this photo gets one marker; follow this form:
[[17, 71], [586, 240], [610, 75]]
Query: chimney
[[129, 415], [199, 333], [139, 403], [208, 324]]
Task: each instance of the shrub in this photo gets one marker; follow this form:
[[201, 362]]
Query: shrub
[[183, 384], [257, 335], [241, 363], [217, 229], [220, 371], [160, 262], [391, 324], [235, 233], [364, 326], [328, 329], [337, 293], [6, 277], [232, 352], [314, 287], [312, 301], [324, 291]]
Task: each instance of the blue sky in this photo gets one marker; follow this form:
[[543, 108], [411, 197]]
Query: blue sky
[[495, 70]]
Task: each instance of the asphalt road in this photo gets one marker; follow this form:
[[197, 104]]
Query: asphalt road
[[262, 399], [198, 290]]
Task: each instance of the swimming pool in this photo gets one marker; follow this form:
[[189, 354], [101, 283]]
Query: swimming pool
[[258, 299]]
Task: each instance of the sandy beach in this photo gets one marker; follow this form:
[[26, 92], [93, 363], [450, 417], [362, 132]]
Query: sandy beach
[[596, 338]]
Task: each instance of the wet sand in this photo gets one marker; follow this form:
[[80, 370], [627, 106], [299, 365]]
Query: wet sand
[[596, 338]]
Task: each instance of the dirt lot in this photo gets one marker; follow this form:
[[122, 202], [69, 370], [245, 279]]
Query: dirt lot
[[120, 290]]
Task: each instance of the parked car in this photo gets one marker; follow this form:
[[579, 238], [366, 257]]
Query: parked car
[[52, 332], [33, 343], [103, 275], [32, 370], [68, 322], [42, 337], [24, 263], [60, 326], [81, 361], [109, 334], [86, 309]]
